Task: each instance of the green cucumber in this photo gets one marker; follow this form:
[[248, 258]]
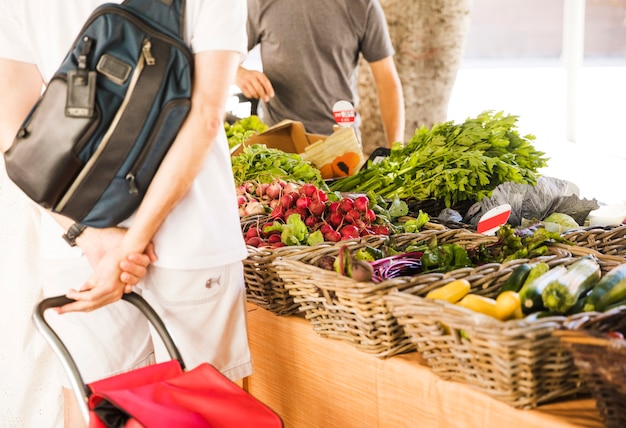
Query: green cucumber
[[515, 281], [609, 290], [560, 295], [530, 293]]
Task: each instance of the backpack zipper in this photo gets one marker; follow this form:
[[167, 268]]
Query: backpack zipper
[[145, 58]]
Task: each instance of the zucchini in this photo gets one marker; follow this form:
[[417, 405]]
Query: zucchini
[[536, 270], [609, 290], [515, 281], [478, 303], [530, 294], [560, 295], [580, 304], [451, 292]]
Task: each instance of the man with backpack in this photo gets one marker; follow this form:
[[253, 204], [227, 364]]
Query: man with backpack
[[189, 213]]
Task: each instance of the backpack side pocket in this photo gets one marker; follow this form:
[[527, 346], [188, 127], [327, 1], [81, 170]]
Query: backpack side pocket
[[43, 160]]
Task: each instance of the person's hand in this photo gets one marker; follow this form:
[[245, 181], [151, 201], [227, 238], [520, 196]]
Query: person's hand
[[115, 269], [254, 84], [135, 266]]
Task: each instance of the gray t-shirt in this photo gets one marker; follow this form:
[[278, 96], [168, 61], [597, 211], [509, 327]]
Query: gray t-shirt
[[310, 51]]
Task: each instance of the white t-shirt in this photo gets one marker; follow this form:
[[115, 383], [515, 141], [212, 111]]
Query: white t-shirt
[[203, 230]]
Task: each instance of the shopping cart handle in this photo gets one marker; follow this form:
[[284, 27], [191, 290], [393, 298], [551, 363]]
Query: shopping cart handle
[[78, 384]]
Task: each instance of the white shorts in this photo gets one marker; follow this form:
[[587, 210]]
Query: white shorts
[[204, 311]]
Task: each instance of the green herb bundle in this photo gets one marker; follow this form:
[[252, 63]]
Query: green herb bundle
[[452, 162], [263, 164]]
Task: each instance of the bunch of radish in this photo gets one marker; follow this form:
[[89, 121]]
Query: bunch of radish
[[346, 218], [261, 198]]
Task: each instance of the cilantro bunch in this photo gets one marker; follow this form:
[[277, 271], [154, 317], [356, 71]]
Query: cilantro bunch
[[453, 162]]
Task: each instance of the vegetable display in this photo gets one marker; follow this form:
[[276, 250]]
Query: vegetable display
[[452, 162]]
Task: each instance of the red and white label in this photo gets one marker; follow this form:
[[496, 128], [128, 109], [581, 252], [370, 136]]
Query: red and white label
[[491, 221], [344, 113]]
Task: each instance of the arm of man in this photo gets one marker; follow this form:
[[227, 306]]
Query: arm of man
[[254, 84], [20, 86], [390, 99], [214, 73]]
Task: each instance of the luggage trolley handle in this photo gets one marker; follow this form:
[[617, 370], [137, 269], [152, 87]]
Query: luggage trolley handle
[[78, 384]]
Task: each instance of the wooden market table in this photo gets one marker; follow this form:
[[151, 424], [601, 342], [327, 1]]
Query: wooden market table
[[317, 382]]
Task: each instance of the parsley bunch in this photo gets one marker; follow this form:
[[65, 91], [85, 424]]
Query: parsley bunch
[[452, 162]]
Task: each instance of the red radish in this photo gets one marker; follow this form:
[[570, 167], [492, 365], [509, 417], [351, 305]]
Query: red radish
[[287, 200], [252, 232], [349, 231], [304, 213], [254, 241], [290, 188], [308, 189], [380, 229], [311, 221], [346, 205], [278, 244], [370, 215], [249, 187], [241, 200], [361, 203], [291, 211], [274, 190], [332, 236], [303, 202], [274, 203], [325, 228], [317, 207], [278, 212], [353, 216], [261, 188], [335, 219], [321, 196], [272, 239], [333, 207]]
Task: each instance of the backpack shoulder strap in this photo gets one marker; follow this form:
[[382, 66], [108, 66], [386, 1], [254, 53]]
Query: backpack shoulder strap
[[170, 14]]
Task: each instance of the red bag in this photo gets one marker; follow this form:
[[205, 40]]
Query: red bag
[[163, 395], [160, 395]]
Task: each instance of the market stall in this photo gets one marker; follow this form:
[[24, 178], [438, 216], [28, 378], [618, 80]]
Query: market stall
[[428, 287], [316, 382]]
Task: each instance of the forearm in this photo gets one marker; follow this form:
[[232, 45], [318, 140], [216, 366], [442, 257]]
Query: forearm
[[214, 74], [392, 113], [390, 99], [20, 86]]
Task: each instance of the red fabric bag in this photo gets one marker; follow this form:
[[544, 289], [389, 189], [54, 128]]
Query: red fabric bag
[[163, 395]]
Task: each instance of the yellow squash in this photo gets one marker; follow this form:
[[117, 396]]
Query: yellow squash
[[451, 292]]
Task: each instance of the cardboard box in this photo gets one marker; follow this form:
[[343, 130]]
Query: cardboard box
[[287, 135]]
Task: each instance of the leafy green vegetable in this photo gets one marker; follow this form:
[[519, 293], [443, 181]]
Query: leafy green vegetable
[[452, 162], [398, 208], [242, 129], [258, 162]]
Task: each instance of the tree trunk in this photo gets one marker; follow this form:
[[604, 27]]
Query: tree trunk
[[429, 39]]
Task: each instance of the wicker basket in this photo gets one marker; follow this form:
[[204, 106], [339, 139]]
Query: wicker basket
[[266, 289], [609, 240], [601, 361], [263, 285], [342, 308], [519, 362]]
